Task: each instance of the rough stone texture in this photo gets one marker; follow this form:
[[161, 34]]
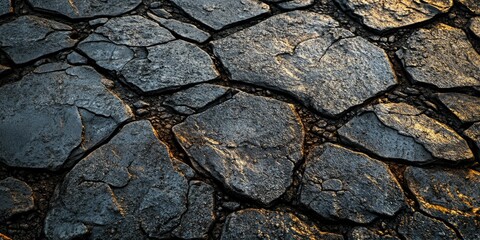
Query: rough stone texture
[[29, 37], [122, 190], [474, 26], [265, 224], [385, 15], [419, 226], [195, 98], [73, 112], [169, 66], [438, 139], [76, 58], [430, 57], [465, 107], [310, 57], [295, 4], [448, 194], [473, 132], [86, 8], [233, 142], [341, 184], [5, 7], [218, 14], [368, 132], [185, 30], [15, 197], [363, 233], [473, 5]]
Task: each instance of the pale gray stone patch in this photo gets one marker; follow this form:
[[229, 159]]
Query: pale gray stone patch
[[15, 197], [185, 30], [105, 53], [465, 107], [192, 99], [75, 58]]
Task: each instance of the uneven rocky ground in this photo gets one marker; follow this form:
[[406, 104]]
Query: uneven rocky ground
[[239, 119]]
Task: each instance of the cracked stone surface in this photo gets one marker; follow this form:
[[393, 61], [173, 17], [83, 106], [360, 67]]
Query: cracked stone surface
[[386, 15], [185, 30], [295, 4], [86, 8], [15, 197], [363, 233], [420, 226], [310, 57], [127, 188], [473, 132], [472, 5], [233, 142], [465, 107], [78, 113], [448, 194], [401, 131], [218, 14], [195, 98], [430, 57], [30, 37], [5, 7], [266, 224], [342, 184], [475, 26]]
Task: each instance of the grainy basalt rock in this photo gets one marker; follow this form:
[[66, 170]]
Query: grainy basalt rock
[[30, 37], [73, 112], [473, 132], [126, 189], [218, 14], [15, 197], [248, 143], [448, 194], [472, 5], [363, 233], [419, 226], [342, 184], [295, 4], [86, 8], [310, 57], [266, 224], [185, 30], [474, 26], [195, 98], [5, 7], [386, 15], [465, 107], [429, 57]]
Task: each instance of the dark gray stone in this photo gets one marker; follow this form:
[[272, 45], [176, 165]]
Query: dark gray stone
[[4, 70], [295, 4], [185, 30], [365, 189], [448, 194], [429, 57], [385, 15], [30, 37], [169, 66], [218, 14], [473, 132], [76, 58], [248, 143], [308, 56], [363, 233], [72, 109], [474, 26], [6, 7], [465, 107], [126, 189], [15, 197], [194, 98], [419, 226], [266, 224], [472, 5], [86, 8], [105, 53]]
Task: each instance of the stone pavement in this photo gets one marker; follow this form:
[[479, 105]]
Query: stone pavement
[[239, 119]]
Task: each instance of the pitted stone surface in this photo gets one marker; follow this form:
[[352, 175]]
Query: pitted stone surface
[[126, 189], [474, 26], [195, 98], [73, 112], [465, 107], [15, 197], [419, 226], [218, 14], [266, 224], [448, 194], [86, 8], [368, 189], [295, 4], [5, 7], [234, 143], [185, 30], [309, 56], [385, 15], [363, 233], [430, 57], [30, 37], [473, 5]]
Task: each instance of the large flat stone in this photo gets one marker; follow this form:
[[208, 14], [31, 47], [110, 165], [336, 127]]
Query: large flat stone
[[195, 98], [465, 107], [310, 57]]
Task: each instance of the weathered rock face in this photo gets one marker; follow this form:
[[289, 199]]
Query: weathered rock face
[[249, 143], [125, 189], [401, 131], [474, 26], [86, 8], [195, 98], [15, 197], [472, 5], [386, 15], [5, 7], [363, 233], [309, 56], [73, 111], [295, 4], [465, 107], [448, 194], [419, 226], [185, 30], [218, 14], [265, 224], [341, 184], [29, 37], [429, 57], [473, 132]]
